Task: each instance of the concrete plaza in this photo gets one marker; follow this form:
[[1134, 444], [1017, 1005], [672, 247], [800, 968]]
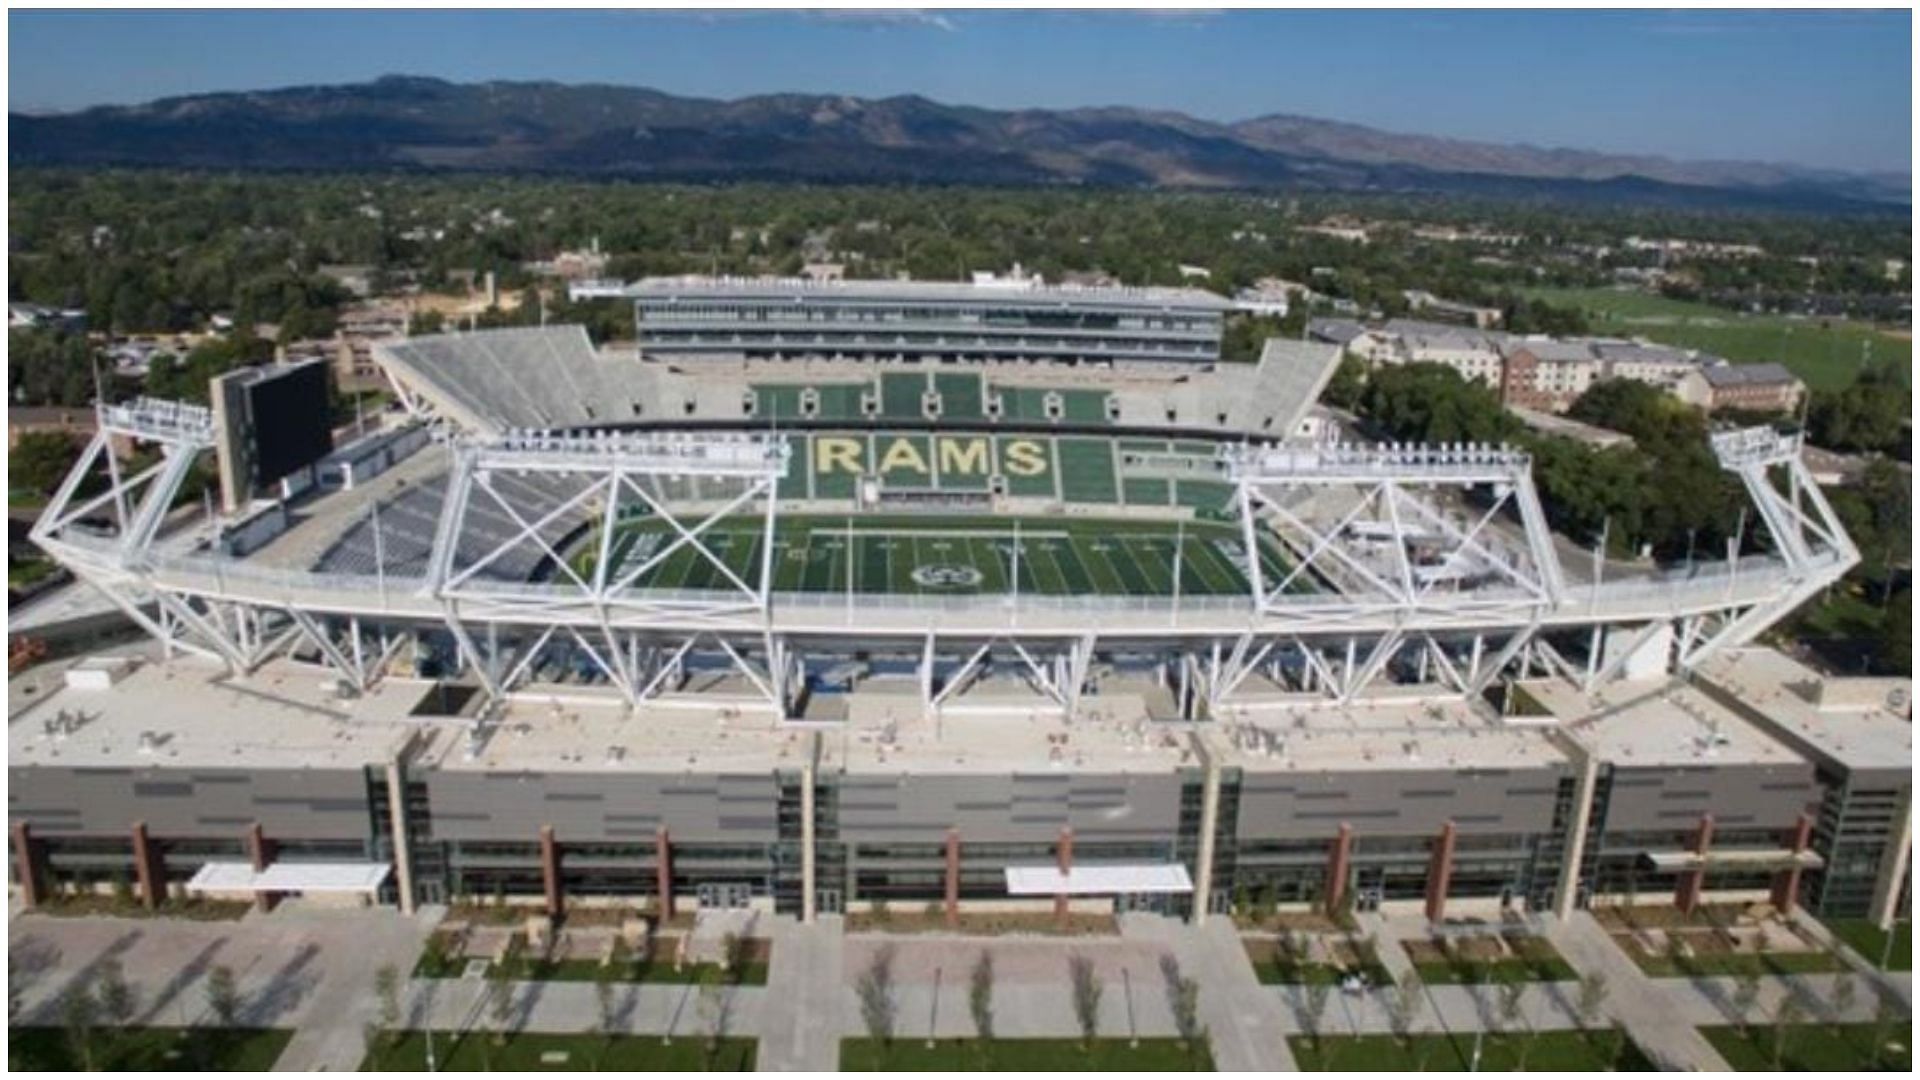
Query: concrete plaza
[[313, 970]]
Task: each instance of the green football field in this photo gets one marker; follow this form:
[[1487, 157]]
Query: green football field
[[950, 556]]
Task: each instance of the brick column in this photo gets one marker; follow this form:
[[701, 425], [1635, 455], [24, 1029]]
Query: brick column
[[550, 872], [1786, 883], [27, 866], [1440, 873], [260, 854], [663, 871], [1686, 891], [1339, 855], [1066, 867], [953, 877], [149, 867]]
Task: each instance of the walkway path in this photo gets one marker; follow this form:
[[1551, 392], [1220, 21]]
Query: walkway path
[[313, 969], [1898, 982], [1652, 1012], [801, 1021], [306, 967], [1387, 939], [1245, 1022]]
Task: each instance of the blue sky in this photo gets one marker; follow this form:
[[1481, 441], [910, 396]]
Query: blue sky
[[1828, 89]]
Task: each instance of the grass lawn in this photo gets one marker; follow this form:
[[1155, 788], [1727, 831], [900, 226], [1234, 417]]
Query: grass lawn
[[1789, 963], [1826, 353], [152, 1049], [1869, 941], [1532, 959], [539, 1052], [29, 571], [1023, 1055], [1562, 1051], [1814, 1048], [1272, 966]]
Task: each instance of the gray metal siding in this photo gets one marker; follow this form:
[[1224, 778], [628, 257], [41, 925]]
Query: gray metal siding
[[291, 804], [1403, 802], [1738, 796], [733, 807], [1020, 808]]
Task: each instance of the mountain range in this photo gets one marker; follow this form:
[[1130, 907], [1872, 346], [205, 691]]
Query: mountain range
[[638, 133]]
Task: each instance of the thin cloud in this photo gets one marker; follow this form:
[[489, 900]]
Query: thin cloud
[[874, 18], [882, 19]]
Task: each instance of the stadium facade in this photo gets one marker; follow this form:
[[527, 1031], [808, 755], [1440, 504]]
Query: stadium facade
[[992, 319], [817, 633]]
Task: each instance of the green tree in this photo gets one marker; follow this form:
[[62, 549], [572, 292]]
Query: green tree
[[40, 460], [1846, 991], [1087, 990], [1746, 995], [878, 1005], [49, 367], [386, 988], [1871, 413], [980, 997], [499, 1001], [1347, 385], [1896, 646], [79, 1016], [1183, 1000], [1786, 1019], [223, 996], [119, 1001], [714, 1007]]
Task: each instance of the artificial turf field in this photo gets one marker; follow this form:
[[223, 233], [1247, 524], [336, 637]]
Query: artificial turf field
[[950, 556]]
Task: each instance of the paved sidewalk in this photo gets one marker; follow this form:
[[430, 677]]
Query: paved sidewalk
[[565, 1007], [303, 967], [1386, 938], [1245, 1023], [1899, 983], [801, 1022], [1032, 987], [331, 1035], [1653, 1013]]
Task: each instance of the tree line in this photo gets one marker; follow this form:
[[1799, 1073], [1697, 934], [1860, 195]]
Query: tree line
[[155, 251]]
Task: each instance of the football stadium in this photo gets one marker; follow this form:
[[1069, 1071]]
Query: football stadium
[[974, 595]]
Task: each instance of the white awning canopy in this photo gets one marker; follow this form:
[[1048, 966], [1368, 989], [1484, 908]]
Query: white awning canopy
[[1736, 859], [1107, 880], [301, 877]]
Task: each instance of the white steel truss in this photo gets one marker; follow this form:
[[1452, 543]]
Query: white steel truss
[[1397, 530], [1433, 567]]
